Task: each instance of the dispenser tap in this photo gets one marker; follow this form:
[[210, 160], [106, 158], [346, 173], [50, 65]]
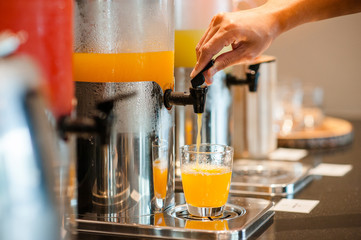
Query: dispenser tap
[[101, 124], [196, 97], [251, 80]]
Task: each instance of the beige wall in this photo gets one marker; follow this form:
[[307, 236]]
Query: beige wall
[[327, 53]]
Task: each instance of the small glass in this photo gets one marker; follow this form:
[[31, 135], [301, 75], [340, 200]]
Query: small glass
[[312, 110], [160, 156], [206, 178], [299, 107], [288, 111]]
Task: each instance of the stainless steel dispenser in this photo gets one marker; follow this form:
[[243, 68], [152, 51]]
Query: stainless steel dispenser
[[125, 48], [254, 137], [254, 133]]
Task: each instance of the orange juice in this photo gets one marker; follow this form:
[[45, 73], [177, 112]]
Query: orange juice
[[206, 185], [216, 225], [189, 131], [160, 178], [125, 67], [185, 42], [199, 125]]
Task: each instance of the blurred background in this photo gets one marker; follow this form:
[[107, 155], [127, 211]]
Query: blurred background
[[328, 54]]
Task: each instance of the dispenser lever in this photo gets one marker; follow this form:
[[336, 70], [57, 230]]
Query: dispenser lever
[[199, 79]]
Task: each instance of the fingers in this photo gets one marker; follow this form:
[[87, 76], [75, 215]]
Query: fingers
[[201, 41], [206, 55], [211, 48], [205, 49], [238, 55], [211, 30], [208, 75]]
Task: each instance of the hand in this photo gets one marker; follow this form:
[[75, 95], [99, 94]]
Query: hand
[[249, 33]]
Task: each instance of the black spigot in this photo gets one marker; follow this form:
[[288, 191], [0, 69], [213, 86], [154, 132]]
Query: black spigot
[[196, 96], [251, 80]]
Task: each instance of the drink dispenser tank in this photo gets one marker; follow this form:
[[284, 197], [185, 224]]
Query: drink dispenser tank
[[125, 47], [254, 134]]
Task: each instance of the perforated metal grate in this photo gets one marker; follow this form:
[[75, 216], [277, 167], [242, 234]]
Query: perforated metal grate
[[230, 212]]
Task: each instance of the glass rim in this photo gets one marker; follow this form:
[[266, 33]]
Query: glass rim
[[227, 149]]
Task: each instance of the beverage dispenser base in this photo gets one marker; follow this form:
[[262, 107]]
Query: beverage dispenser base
[[242, 218], [269, 178]]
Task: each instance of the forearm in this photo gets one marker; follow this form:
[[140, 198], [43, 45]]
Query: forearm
[[250, 32], [291, 13]]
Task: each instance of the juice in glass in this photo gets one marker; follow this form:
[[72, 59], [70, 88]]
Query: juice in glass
[[206, 171], [125, 67], [160, 178], [206, 185], [160, 158]]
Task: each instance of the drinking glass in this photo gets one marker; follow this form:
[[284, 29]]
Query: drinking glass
[[206, 177], [160, 158], [312, 110]]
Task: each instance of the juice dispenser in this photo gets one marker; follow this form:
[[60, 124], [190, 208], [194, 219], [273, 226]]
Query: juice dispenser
[[125, 48], [46, 30]]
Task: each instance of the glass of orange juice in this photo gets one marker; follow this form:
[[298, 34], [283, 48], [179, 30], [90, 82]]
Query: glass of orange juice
[[206, 172], [160, 156]]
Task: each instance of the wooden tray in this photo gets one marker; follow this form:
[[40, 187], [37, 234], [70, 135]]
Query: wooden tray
[[333, 132]]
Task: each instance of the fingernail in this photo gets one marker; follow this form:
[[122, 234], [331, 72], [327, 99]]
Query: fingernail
[[209, 81]]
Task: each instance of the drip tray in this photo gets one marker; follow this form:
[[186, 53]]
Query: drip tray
[[269, 178], [230, 212], [242, 218]]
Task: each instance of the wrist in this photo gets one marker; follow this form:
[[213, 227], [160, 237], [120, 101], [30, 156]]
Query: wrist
[[284, 15]]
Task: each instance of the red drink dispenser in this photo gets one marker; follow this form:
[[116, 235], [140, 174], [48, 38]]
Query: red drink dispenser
[[48, 27]]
